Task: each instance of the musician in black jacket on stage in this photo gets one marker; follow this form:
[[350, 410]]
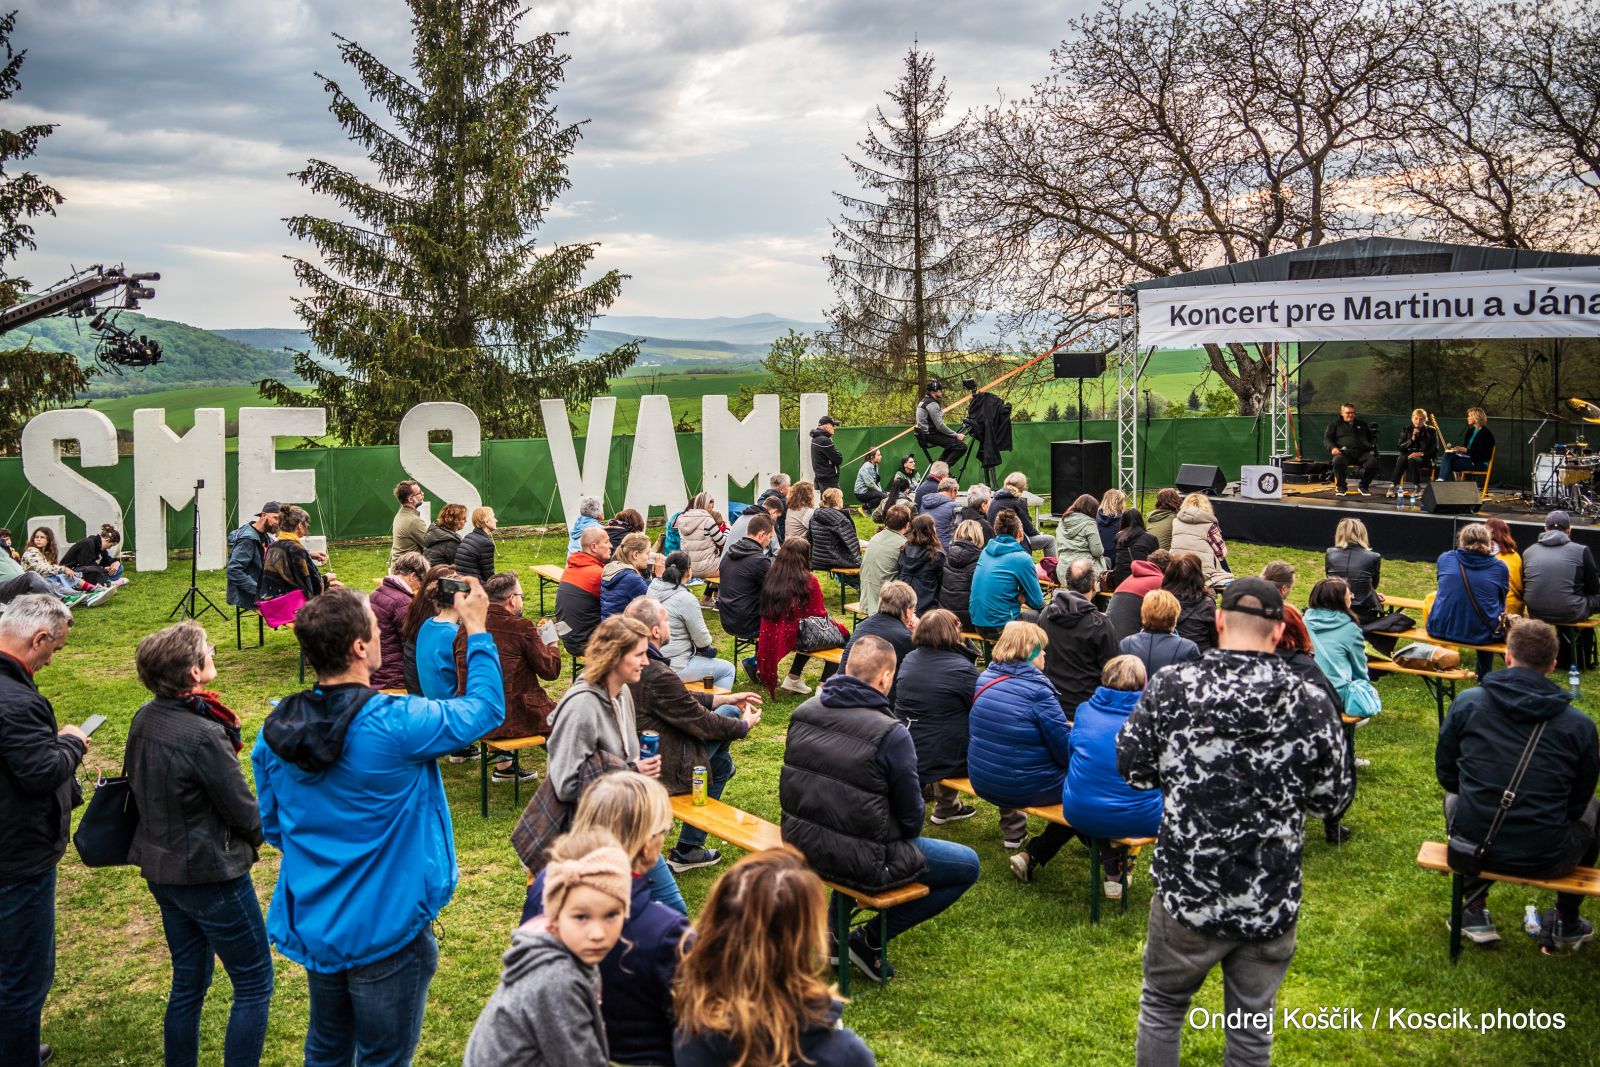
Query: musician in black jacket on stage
[[1474, 453], [1419, 450], [1354, 443]]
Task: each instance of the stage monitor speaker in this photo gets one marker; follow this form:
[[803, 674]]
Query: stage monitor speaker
[[1199, 478], [1261, 482], [1080, 364], [1451, 498], [1078, 467]]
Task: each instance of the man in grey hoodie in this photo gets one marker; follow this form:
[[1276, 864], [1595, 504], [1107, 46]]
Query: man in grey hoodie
[[1560, 582]]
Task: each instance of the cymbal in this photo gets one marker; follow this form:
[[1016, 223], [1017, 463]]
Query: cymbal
[[1595, 422]]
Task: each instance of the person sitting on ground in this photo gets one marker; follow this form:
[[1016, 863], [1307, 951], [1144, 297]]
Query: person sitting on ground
[[15, 582], [895, 621], [791, 593], [247, 555], [833, 537], [289, 566], [1108, 520], [689, 646], [937, 473], [475, 556], [696, 729], [744, 575], [1341, 651], [40, 558], [1133, 543], [1011, 497], [1157, 643], [546, 1009], [92, 557], [590, 511], [880, 562], [1081, 638], [1004, 580], [901, 486], [852, 803], [1195, 530], [1168, 503], [960, 564], [750, 988], [1551, 827], [933, 695], [1471, 590], [1300, 655], [1096, 801], [1077, 537], [921, 563], [1197, 618], [578, 594], [868, 489], [940, 506], [408, 533], [702, 535], [1144, 577], [391, 602], [636, 975], [826, 459], [525, 658], [626, 575], [350, 793], [1560, 582], [1353, 559], [443, 538], [1017, 745], [1506, 550], [777, 489], [197, 837], [1241, 750], [622, 524], [976, 509], [797, 514]]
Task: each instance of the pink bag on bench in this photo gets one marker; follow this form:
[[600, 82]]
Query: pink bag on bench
[[279, 610]]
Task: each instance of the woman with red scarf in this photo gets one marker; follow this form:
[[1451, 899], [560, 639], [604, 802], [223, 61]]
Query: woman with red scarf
[[196, 842]]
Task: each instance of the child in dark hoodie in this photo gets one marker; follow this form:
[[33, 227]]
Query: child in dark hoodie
[[546, 1009]]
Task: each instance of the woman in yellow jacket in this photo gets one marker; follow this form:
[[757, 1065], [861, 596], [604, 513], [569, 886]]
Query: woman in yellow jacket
[[1505, 547]]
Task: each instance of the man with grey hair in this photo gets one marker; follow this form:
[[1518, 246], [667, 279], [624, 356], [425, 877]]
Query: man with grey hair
[[941, 507], [1082, 639], [976, 509], [38, 790], [777, 490], [591, 510], [937, 473]]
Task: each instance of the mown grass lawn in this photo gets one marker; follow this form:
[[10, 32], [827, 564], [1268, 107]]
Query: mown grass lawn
[[1012, 974]]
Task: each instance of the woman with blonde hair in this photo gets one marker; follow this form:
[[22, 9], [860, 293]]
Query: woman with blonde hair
[[443, 539], [1472, 587], [751, 991], [1419, 451], [1157, 644], [626, 575], [1195, 529], [637, 974], [701, 534], [476, 554], [1353, 559], [1108, 519]]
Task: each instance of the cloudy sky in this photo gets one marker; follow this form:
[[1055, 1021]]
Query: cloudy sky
[[715, 136]]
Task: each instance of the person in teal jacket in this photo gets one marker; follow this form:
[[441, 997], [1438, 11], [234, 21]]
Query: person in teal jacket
[[349, 790], [1341, 650], [1003, 578]]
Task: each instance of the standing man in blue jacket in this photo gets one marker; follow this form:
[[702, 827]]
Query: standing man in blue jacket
[[350, 792]]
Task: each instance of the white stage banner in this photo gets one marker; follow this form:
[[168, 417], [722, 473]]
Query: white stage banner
[[1545, 302]]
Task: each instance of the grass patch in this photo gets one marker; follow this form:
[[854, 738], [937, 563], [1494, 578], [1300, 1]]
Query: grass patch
[[1012, 974]]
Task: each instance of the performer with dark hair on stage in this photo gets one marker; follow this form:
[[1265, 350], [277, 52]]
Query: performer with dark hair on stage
[[1474, 453], [1354, 443], [1419, 447]]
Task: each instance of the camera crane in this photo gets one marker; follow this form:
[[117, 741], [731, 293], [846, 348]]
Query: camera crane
[[76, 296]]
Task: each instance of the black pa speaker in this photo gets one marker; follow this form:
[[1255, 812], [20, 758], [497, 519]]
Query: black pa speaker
[[1199, 478], [1080, 364], [1078, 467], [1451, 498]]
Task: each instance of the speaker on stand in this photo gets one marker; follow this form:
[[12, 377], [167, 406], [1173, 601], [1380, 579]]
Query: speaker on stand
[[1078, 467]]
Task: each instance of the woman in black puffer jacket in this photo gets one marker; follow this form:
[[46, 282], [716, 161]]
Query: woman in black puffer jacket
[[476, 554], [834, 541], [921, 564], [955, 590], [1186, 580], [933, 696]]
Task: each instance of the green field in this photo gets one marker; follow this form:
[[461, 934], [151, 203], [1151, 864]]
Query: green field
[[1011, 975]]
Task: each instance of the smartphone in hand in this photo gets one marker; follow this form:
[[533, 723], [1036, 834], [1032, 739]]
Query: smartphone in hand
[[91, 724]]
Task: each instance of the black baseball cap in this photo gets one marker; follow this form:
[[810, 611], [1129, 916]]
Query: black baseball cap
[[827, 420], [934, 386], [271, 507], [1253, 596]]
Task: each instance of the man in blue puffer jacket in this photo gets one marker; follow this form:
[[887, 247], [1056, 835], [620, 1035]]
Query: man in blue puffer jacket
[[349, 791], [1003, 578], [1473, 585]]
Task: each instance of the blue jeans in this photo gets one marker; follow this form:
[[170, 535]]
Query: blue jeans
[[27, 963], [204, 923], [372, 1015], [1450, 463], [664, 887], [699, 666], [952, 869], [719, 767]]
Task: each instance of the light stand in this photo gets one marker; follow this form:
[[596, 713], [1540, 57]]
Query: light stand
[[188, 602]]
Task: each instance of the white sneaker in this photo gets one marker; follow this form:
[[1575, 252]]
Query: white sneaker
[[1113, 889], [791, 684]]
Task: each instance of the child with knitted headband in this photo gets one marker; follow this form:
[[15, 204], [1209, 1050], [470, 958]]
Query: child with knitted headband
[[546, 1009]]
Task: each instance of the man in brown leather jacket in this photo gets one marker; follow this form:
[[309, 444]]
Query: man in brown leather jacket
[[524, 660]]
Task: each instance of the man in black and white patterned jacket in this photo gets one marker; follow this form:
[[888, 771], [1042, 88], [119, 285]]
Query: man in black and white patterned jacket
[[1242, 750]]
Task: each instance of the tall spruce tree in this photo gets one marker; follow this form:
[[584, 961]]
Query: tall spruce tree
[[29, 380], [897, 270], [432, 288]]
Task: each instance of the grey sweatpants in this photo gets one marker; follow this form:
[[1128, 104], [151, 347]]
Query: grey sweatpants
[[1176, 962]]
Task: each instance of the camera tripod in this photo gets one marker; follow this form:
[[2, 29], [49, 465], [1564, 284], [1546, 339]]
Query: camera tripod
[[189, 602]]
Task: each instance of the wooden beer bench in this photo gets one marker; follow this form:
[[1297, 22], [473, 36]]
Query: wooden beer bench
[[548, 574], [1432, 856], [1436, 681]]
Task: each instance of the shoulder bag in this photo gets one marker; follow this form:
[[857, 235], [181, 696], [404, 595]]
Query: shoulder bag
[[105, 833], [817, 633], [1466, 857], [1497, 627]]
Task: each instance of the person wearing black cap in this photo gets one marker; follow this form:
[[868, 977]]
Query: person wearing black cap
[[826, 458], [1242, 749], [247, 555], [933, 431], [1560, 582]]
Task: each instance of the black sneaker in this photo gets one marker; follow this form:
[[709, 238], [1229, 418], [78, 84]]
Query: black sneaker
[[868, 959], [511, 774], [694, 858], [1477, 927], [962, 811], [465, 754], [1563, 937], [1337, 833], [750, 670]]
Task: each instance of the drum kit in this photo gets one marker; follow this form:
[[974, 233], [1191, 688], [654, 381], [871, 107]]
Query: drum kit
[[1564, 477]]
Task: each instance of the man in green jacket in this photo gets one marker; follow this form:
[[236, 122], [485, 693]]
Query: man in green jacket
[[409, 532], [881, 560]]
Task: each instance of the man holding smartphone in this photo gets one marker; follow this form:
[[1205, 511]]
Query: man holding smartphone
[[38, 790]]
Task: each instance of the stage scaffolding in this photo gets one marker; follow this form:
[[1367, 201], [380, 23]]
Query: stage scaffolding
[[1128, 368]]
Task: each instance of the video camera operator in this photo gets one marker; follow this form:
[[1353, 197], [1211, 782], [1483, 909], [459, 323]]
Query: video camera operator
[[932, 430], [989, 420]]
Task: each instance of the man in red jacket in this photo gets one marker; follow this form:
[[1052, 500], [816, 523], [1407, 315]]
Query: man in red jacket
[[578, 595]]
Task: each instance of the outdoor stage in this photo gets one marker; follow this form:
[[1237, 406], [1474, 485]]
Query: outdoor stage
[[1306, 519]]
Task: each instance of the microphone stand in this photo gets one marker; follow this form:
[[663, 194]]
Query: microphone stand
[[188, 602]]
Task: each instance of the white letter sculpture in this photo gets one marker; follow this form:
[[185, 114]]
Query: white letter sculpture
[[572, 483], [42, 466], [739, 450], [466, 439], [812, 407], [260, 480], [655, 472], [165, 469]]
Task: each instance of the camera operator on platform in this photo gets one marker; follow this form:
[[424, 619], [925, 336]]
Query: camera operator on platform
[[932, 430]]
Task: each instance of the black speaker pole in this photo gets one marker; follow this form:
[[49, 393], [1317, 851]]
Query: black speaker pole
[[1080, 409], [188, 602]]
